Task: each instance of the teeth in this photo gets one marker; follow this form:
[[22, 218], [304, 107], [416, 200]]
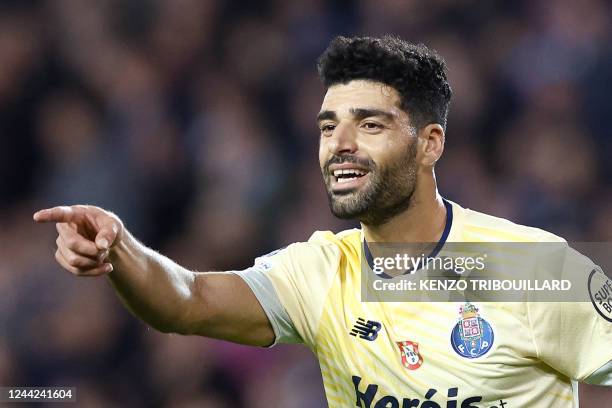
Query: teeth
[[345, 179], [349, 172]]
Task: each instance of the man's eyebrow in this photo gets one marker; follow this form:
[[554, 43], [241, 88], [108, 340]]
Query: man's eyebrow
[[362, 113], [358, 114], [326, 114]]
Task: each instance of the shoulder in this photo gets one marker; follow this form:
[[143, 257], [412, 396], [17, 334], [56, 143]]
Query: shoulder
[[485, 228], [346, 237], [327, 247], [324, 249], [346, 243]]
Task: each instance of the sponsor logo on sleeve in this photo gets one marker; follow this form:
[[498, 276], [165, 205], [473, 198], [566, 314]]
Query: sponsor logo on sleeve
[[600, 292], [263, 264]]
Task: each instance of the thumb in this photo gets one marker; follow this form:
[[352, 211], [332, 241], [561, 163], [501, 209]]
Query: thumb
[[106, 236]]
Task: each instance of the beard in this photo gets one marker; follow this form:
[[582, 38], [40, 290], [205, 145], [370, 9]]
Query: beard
[[388, 192]]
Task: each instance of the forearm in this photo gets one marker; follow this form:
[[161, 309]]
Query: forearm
[[153, 287]]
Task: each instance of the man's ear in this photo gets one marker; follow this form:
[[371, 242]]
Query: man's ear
[[431, 144]]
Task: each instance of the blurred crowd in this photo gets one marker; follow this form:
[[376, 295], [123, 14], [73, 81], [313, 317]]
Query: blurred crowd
[[194, 121]]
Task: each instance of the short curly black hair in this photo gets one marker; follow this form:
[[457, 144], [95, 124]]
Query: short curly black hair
[[415, 71]]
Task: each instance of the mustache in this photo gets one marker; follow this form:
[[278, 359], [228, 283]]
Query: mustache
[[349, 158]]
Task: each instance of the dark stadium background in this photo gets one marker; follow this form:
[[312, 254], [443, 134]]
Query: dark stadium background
[[194, 121]]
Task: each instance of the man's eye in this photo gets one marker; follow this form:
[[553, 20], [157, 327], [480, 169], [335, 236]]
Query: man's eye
[[327, 128], [371, 126]]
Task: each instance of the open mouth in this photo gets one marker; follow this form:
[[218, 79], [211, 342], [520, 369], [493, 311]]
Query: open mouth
[[346, 175], [348, 179]]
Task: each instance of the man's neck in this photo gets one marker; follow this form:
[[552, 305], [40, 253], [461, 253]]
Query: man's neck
[[423, 221]]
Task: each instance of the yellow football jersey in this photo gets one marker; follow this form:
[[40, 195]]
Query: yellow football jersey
[[412, 354]]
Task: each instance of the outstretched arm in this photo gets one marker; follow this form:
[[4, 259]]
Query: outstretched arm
[[94, 242]]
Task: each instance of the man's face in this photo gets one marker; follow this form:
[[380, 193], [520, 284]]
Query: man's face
[[367, 152]]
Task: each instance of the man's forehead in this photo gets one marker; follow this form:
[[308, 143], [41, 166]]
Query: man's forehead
[[360, 93]]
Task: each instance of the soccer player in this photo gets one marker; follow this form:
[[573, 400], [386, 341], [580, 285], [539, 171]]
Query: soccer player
[[382, 130]]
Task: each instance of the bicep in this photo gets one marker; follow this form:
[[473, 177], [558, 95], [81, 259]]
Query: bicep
[[278, 300], [223, 306]]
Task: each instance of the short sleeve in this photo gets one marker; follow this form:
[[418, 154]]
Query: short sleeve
[[571, 338], [575, 338], [292, 284]]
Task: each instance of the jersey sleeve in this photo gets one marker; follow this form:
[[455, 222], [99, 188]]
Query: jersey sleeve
[[575, 338], [292, 284], [603, 376]]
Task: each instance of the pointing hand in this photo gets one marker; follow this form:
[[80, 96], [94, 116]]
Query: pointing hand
[[85, 236]]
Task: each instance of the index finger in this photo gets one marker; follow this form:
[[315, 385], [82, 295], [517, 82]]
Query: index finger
[[56, 214]]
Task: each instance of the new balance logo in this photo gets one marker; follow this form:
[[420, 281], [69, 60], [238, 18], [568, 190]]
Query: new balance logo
[[366, 330]]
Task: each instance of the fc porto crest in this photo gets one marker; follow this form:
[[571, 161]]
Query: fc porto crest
[[472, 336], [411, 359]]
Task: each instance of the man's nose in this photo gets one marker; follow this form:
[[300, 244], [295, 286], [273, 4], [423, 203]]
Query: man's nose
[[343, 140]]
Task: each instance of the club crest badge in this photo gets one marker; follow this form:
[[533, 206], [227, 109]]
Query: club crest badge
[[411, 359], [472, 336]]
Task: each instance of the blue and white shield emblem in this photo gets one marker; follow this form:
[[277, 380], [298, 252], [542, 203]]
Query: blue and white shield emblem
[[472, 336]]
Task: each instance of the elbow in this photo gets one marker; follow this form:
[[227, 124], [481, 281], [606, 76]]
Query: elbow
[[174, 326], [165, 326], [175, 318], [194, 312], [200, 314], [181, 327], [166, 329], [185, 310], [184, 328]]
